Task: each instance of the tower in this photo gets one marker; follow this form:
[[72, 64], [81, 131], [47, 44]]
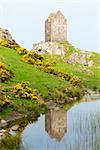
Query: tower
[[56, 27]]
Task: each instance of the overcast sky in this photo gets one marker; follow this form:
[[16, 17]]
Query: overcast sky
[[25, 21]]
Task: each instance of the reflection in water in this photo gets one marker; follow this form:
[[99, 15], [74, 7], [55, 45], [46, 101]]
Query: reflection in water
[[56, 123], [82, 123]]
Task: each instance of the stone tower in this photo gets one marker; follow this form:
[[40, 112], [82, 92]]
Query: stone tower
[[56, 27]]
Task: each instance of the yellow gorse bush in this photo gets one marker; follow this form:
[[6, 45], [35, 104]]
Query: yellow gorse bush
[[5, 73], [9, 44], [23, 90], [5, 101], [6, 43], [37, 60], [21, 50]]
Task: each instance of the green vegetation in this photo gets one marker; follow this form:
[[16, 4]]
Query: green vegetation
[[89, 80], [68, 94], [5, 73], [25, 72], [37, 61], [5, 101], [23, 90], [48, 85], [10, 143], [69, 49], [50, 78]]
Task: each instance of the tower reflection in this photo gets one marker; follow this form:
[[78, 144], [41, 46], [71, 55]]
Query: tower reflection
[[56, 123]]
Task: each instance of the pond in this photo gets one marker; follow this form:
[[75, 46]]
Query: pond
[[58, 129]]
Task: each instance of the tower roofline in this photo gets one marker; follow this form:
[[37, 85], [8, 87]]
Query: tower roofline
[[53, 14]]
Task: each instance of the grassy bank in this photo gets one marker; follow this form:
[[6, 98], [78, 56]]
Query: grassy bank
[[25, 72], [49, 86]]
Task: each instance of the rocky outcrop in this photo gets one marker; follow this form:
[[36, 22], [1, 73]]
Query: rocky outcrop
[[49, 48], [84, 70], [5, 35], [7, 41], [81, 57]]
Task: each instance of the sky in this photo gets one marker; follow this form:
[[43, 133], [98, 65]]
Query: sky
[[25, 21]]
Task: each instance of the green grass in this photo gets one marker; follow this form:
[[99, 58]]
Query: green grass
[[43, 81], [25, 72], [7, 112], [89, 80], [10, 142]]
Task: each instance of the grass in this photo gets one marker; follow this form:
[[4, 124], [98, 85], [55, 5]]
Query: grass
[[46, 84], [89, 80], [25, 72], [10, 143], [7, 112], [41, 81]]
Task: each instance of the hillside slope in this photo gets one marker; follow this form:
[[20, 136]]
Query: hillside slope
[[25, 72]]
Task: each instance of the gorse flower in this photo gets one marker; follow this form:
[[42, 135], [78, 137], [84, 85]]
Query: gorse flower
[[5, 101], [5, 73], [23, 90]]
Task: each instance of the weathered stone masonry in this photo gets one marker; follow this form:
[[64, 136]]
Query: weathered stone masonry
[[56, 27]]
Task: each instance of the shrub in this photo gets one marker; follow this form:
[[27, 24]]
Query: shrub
[[23, 90], [37, 60], [34, 55], [75, 81], [9, 44], [12, 44], [5, 101], [21, 51], [5, 73], [48, 69], [66, 94], [33, 58], [73, 91], [10, 142]]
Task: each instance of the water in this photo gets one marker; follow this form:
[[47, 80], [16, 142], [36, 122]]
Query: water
[[75, 129]]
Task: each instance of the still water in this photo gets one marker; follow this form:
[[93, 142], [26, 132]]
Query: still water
[[75, 129]]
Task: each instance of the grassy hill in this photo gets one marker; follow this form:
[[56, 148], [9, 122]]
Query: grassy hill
[[25, 72], [49, 86], [91, 78], [90, 75]]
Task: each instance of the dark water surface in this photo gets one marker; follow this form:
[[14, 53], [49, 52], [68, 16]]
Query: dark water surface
[[75, 129]]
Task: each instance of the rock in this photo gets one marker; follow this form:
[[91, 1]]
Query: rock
[[90, 63], [15, 128], [3, 123], [5, 34], [49, 48], [83, 70], [80, 57], [90, 92], [3, 131], [13, 133]]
